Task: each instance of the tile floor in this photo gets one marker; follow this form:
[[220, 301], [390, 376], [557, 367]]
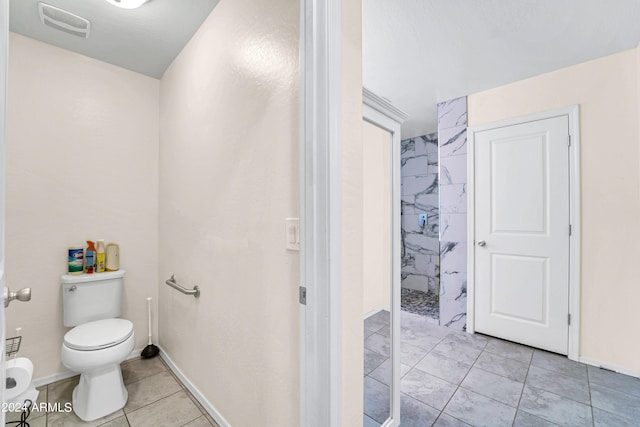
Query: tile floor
[[156, 398], [451, 378]]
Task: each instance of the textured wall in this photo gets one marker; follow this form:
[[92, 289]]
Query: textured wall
[[607, 91], [82, 164], [229, 112]]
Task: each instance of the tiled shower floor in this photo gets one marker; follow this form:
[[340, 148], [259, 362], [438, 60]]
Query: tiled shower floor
[[422, 303], [156, 399], [452, 378]]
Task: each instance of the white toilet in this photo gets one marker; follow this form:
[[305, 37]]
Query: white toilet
[[98, 343]]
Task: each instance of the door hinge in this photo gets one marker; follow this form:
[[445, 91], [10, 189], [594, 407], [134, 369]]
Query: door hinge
[[569, 140], [569, 229], [569, 318], [303, 295]]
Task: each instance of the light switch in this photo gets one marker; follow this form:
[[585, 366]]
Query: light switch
[[292, 233]]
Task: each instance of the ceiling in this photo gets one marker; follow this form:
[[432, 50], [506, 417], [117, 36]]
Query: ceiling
[[145, 40], [417, 53]]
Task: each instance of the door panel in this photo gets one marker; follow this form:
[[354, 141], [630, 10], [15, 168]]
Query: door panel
[[522, 233]]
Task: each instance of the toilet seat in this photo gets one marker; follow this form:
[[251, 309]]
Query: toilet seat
[[99, 334]]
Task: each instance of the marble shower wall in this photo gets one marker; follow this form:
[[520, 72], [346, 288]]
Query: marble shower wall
[[452, 138], [421, 256]]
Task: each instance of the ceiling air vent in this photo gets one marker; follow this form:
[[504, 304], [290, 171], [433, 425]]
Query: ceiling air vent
[[64, 21]]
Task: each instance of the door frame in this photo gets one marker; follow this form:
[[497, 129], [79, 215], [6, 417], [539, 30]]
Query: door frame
[[320, 175], [573, 114], [379, 112]]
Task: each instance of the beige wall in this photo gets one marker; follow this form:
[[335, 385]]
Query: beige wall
[[607, 91], [352, 230], [229, 114], [376, 220], [82, 164]]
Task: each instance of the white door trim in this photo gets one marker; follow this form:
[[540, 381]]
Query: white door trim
[[380, 112], [573, 114], [321, 212]]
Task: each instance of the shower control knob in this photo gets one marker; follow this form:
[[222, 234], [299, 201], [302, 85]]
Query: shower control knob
[[23, 294], [482, 243]]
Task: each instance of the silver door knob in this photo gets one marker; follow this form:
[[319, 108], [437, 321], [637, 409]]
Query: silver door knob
[[482, 243], [23, 294]]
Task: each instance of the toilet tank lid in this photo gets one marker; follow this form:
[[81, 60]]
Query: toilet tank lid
[[80, 278]]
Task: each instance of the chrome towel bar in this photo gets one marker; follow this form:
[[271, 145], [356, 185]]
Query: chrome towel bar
[[172, 282]]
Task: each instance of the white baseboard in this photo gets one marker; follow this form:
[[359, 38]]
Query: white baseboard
[[609, 366], [59, 376], [194, 390]]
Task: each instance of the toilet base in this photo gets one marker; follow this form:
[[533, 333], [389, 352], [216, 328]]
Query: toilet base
[[99, 393]]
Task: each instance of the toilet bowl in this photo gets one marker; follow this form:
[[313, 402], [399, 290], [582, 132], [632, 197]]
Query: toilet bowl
[[95, 350]]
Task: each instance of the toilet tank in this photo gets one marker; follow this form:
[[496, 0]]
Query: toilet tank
[[89, 297]]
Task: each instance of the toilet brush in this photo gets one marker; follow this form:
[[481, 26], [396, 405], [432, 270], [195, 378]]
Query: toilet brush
[[150, 350]]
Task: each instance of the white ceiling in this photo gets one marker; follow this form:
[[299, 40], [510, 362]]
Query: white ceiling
[[145, 40], [417, 53]]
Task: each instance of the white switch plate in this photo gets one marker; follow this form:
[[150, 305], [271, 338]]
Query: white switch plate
[[292, 233]]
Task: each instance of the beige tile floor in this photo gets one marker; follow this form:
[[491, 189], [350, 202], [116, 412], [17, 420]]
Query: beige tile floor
[[156, 398]]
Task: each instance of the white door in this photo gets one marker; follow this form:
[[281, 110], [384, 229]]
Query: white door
[[4, 40], [522, 233]]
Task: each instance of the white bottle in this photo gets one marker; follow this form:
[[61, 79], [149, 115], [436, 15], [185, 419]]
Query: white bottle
[[113, 257]]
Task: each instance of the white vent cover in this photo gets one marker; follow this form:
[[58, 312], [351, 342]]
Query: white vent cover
[[64, 21]]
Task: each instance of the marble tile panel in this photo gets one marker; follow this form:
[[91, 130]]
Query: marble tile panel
[[378, 343], [428, 202], [457, 350], [383, 372], [149, 390], [453, 170], [614, 380], [415, 413], [603, 418], [508, 368], [445, 420], [479, 410], [557, 363], [415, 282], [452, 113], [376, 399], [407, 148], [427, 388], [453, 257], [453, 284], [525, 419], [560, 384], [421, 243], [425, 184], [412, 166], [509, 350], [174, 410], [554, 408], [372, 360], [453, 228], [622, 404], [410, 223], [453, 141], [493, 386], [443, 367], [453, 313], [453, 198]]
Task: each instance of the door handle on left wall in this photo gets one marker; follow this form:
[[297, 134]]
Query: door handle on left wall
[[23, 294]]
